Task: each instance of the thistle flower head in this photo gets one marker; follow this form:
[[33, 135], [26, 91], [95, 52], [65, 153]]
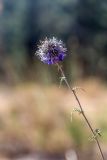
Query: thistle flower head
[[51, 51]]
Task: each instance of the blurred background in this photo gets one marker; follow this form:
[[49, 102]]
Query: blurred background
[[35, 114]]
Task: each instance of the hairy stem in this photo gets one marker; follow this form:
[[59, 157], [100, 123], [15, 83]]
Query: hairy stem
[[81, 108]]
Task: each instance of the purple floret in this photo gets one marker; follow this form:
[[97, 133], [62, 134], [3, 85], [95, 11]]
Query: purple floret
[[51, 51]]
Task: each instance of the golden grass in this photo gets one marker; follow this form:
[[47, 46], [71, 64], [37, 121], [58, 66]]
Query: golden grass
[[34, 117]]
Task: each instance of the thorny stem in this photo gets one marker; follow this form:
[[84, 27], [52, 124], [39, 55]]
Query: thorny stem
[[81, 108]]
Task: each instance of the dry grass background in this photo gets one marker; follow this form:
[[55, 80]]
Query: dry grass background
[[38, 118]]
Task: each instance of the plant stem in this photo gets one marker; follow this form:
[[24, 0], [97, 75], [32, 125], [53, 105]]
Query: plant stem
[[81, 108]]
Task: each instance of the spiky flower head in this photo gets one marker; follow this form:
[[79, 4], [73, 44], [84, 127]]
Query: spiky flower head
[[51, 51]]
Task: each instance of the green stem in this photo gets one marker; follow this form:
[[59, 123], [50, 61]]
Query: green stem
[[82, 111]]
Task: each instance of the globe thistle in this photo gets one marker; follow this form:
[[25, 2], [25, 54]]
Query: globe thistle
[[51, 51]]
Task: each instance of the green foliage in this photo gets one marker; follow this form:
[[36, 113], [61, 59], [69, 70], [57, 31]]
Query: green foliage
[[78, 133], [81, 23]]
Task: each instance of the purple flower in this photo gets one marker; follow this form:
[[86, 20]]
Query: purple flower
[[51, 51]]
